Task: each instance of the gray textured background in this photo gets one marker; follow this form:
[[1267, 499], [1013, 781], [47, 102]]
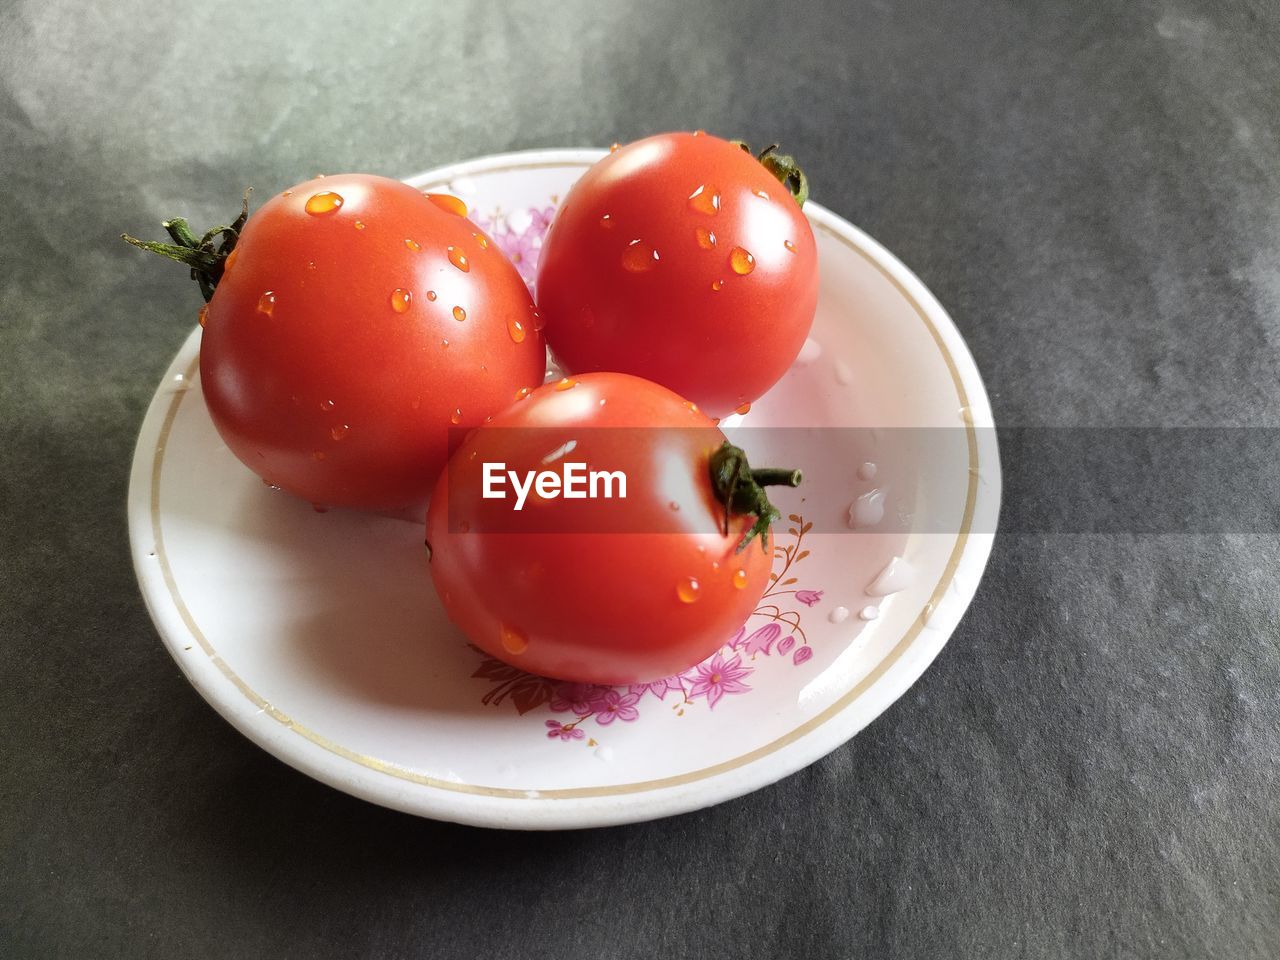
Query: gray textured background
[[1090, 768]]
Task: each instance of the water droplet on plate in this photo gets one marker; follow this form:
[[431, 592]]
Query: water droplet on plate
[[810, 351], [838, 615], [867, 471], [868, 613], [896, 575], [867, 510], [319, 204], [844, 376]]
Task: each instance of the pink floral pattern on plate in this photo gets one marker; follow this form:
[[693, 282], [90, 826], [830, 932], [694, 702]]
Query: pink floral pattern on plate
[[725, 673]]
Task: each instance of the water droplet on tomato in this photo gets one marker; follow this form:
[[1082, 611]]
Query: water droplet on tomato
[[607, 222], [287, 193], [699, 133], [203, 315], [480, 239], [413, 245], [359, 224], [717, 285], [231, 260], [762, 195], [459, 314], [267, 304], [327, 405], [522, 393], [639, 257], [539, 321], [456, 416], [448, 203], [688, 589], [706, 239], [311, 264], [459, 259], [690, 405], [613, 147], [444, 343], [566, 384], [317, 455], [743, 409], [740, 579], [673, 506], [318, 204], [789, 245], [516, 329], [339, 430], [400, 299], [431, 295], [705, 200], [741, 261], [513, 641]]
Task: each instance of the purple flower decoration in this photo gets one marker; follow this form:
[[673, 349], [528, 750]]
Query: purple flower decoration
[[580, 698], [785, 645], [762, 639], [809, 597], [541, 220], [801, 655], [658, 688], [716, 677], [557, 729], [616, 706]]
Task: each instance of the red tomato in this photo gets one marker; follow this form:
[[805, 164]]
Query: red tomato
[[355, 321], [682, 259], [617, 590]]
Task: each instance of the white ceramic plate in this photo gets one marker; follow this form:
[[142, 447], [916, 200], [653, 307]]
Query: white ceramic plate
[[318, 635]]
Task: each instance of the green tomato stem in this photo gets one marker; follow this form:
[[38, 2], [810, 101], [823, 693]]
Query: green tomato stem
[[741, 490], [206, 255]]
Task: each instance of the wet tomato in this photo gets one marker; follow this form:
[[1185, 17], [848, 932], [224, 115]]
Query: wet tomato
[[605, 589], [354, 322], [684, 259]]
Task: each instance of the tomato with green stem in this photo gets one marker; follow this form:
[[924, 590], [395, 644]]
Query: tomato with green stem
[[684, 259], [604, 589], [351, 322]]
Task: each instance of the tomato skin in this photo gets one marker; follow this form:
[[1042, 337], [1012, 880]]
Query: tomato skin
[[581, 604], [319, 384], [687, 319]]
